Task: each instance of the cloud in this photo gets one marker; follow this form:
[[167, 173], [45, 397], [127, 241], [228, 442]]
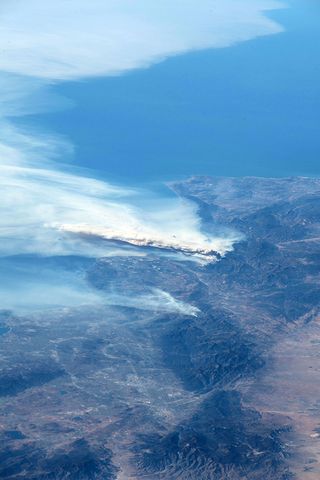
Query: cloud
[[69, 39]]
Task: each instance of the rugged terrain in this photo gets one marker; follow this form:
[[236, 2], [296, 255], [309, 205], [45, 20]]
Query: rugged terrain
[[232, 392]]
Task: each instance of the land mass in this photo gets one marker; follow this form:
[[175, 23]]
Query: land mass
[[233, 392]]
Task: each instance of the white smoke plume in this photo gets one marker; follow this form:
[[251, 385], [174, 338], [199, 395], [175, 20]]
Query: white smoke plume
[[69, 39], [47, 206]]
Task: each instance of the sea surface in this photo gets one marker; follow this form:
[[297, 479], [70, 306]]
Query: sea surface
[[250, 109]]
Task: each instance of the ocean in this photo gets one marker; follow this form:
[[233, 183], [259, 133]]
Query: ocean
[[250, 109]]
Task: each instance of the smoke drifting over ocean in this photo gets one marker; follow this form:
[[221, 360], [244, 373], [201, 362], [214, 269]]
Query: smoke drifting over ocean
[[44, 204], [76, 38]]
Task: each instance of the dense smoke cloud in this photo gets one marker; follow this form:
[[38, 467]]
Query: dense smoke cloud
[[46, 206], [76, 38]]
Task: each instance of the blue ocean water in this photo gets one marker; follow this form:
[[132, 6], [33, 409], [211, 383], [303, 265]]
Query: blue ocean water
[[250, 109]]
